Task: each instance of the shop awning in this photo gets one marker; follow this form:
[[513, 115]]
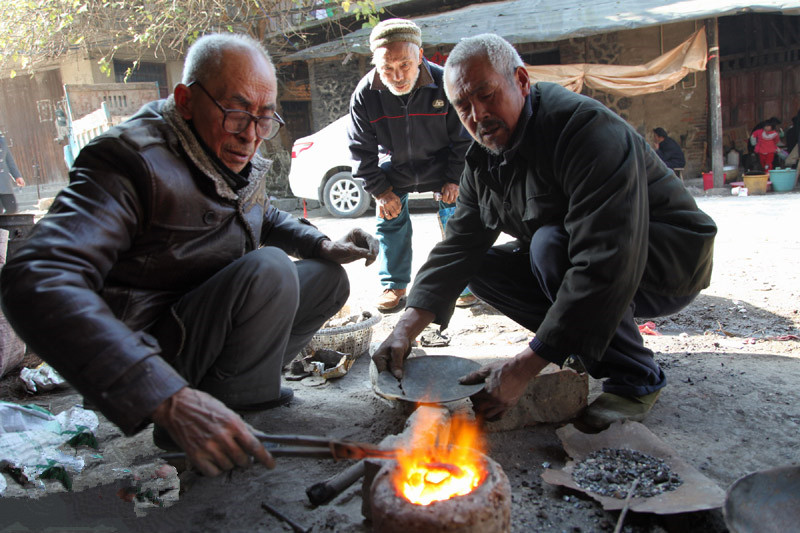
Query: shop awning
[[524, 21]]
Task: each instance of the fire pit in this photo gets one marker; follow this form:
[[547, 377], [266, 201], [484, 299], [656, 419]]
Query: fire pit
[[486, 509], [442, 481]]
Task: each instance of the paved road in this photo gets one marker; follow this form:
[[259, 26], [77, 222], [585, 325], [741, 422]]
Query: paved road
[[766, 225]]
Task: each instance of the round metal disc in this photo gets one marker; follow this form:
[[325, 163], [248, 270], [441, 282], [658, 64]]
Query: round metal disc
[[430, 379], [764, 502]]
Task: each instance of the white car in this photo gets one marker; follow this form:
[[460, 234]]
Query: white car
[[322, 170]]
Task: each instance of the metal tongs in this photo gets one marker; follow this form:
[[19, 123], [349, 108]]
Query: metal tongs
[[312, 446], [321, 447]]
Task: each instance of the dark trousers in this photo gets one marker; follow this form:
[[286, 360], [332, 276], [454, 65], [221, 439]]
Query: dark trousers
[[523, 282], [9, 203], [231, 336]]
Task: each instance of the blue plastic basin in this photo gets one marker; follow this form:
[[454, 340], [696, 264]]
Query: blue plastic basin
[[783, 179]]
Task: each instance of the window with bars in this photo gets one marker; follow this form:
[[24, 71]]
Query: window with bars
[[144, 71]]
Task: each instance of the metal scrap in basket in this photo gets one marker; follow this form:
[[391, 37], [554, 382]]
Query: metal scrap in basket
[[347, 333]]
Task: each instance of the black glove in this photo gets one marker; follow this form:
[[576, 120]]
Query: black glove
[[357, 244]]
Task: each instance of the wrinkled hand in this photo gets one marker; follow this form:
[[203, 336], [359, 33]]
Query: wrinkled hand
[[214, 438], [392, 353], [449, 193], [505, 383], [388, 205], [357, 244]]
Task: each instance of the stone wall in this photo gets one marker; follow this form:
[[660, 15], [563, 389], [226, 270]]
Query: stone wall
[[332, 83]]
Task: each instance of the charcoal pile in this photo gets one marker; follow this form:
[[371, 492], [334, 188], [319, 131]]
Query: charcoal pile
[[611, 472]]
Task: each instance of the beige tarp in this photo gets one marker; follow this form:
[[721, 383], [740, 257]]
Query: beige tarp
[[658, 75]]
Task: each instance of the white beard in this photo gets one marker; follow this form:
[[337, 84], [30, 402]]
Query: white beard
[[395, 91]]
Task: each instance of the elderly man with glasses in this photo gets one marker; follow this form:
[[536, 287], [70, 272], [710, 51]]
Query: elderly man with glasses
[[160, 283]]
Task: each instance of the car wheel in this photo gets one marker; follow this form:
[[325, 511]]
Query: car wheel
[[344, 197]]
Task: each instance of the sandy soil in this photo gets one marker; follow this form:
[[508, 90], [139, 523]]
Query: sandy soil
[[730, 407]]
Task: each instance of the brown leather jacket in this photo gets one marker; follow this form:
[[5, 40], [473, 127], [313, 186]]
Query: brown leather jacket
[[147, 217]]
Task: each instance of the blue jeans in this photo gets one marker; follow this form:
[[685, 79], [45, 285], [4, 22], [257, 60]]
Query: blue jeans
[[522, 282], [394, 237]]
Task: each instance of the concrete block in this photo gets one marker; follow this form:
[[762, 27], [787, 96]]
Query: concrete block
[[555, 395], [285, 204]]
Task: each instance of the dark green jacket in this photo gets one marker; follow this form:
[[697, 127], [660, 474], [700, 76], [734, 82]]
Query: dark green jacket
[[630, 221]]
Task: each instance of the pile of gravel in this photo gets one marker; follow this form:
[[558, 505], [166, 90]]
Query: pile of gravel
[[611, 471]]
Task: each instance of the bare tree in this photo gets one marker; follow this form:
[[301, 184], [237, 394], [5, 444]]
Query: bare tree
[[35, 32]]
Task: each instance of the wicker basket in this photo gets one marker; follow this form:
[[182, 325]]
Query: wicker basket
[[351, 338]]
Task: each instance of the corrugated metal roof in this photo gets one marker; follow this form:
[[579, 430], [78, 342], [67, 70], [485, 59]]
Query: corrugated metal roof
[[524, 21]]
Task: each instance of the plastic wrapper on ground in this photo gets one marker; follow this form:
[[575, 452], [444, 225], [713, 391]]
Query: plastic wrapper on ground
[[31, 439]]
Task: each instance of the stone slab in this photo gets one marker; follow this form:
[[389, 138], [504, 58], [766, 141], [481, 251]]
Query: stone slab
[[555, 395]]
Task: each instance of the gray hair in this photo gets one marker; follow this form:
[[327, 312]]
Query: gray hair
[[204, 58], [503, 57]]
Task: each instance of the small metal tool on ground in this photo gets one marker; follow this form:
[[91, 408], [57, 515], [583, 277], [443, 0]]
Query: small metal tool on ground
[[294, 525]]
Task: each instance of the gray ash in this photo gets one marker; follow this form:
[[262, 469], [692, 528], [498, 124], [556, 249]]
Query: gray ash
[[611, 471]]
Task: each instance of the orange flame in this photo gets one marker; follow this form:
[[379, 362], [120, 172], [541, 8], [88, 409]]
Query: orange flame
[[440, 462]]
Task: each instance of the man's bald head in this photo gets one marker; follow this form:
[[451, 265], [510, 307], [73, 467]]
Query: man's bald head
[[205, 58]]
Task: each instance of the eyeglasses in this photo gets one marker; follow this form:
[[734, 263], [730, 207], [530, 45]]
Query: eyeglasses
[[238, 120]]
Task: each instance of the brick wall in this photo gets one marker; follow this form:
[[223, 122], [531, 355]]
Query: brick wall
[[681, 110]]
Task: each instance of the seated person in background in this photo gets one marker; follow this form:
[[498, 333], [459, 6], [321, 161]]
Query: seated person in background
[[160, 285], [791, 136], [668, 150]]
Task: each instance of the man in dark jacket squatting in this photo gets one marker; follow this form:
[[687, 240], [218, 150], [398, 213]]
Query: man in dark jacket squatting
[[668, 150], [399, 108], [160, 285], [605, 232]]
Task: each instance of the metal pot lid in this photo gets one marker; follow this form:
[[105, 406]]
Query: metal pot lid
[[765, 502], [429, 379]]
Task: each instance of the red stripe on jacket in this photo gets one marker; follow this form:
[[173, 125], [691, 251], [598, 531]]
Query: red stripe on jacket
[[411, 115]]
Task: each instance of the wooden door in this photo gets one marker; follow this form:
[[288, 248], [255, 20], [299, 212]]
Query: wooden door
[[791, 94], [769, 99], [28, 107]]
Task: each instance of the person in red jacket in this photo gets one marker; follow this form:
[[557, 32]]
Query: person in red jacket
[[766, 142]]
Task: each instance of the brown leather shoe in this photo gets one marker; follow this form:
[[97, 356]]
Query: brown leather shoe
[[466, 300], [391, 299]]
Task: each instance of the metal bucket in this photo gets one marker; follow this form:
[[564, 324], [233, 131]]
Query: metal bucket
[[19, 226]]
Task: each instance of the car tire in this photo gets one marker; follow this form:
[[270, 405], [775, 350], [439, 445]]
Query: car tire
[[344, 197]]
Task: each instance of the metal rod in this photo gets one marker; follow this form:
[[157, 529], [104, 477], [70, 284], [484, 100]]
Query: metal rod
[[296, 526], [309, 446], [283, 451], [324, 491]]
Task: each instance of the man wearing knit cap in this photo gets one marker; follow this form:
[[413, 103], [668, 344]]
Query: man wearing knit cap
[[399, 108]]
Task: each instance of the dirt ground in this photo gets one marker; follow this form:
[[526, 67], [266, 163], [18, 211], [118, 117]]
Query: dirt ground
[[731, 406]]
